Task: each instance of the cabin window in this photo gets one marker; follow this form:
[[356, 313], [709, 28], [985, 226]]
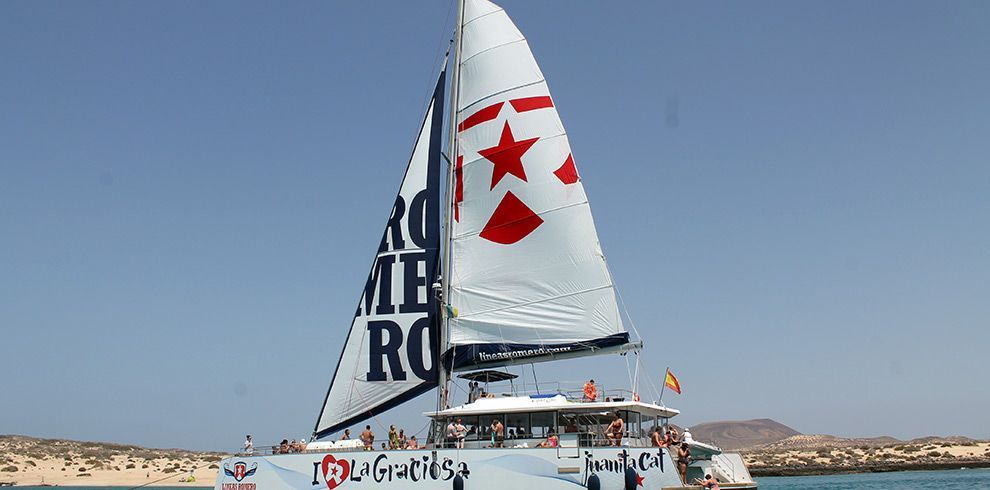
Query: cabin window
[[471, 424], [517, 426], [542, 424], [568, 423], [634, 427], [650, 424]]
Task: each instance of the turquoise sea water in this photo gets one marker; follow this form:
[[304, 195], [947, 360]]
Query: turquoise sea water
[[902, 480]]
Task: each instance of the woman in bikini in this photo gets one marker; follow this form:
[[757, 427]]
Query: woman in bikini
[[683, 460], [552, 440]]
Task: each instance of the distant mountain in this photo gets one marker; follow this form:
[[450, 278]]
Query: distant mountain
[[737, 434]]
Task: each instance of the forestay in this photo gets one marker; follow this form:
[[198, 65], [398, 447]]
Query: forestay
[[391, 349], [528, 277]]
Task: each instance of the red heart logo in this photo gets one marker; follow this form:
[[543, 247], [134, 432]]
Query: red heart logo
[[335, 471]]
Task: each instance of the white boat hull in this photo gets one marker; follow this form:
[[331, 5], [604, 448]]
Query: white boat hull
[[502, 469]]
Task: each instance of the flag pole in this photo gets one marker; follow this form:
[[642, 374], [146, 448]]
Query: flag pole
[[663, 386]]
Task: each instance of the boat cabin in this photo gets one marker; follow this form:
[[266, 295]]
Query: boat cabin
[[529, 419]]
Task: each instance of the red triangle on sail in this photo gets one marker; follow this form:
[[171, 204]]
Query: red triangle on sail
[[511, 221], [567, 173]]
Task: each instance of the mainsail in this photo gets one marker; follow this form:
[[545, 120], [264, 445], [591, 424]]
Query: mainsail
[[528, 279], [390, 353]]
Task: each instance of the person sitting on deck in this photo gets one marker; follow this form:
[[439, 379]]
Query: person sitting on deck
[[302, 444], [590, 392], [283, 447], [709, 482], [614, 431], [413, 443], [368, 438], [293, 446], [346, 436], [552, 440]]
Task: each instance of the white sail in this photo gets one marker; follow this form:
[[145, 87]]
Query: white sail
[[528, 277], [391, 349]]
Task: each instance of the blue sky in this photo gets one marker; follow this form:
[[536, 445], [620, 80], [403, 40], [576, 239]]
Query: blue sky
[[794, 198]]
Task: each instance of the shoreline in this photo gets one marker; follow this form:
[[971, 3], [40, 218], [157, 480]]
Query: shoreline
[[823, 470]]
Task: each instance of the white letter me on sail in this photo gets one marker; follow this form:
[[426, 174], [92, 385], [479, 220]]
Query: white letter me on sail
[[390, 353], [529, 280]]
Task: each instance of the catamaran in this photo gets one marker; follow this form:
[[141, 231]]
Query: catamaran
[[514, 275]]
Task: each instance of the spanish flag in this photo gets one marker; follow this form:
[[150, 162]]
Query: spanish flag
[[672, 383]]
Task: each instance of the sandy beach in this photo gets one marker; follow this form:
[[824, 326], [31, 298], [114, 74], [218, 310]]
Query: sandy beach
[[29, 461]]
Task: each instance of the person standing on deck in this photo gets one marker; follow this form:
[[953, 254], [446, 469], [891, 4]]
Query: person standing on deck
[[498, 433], [393, 438], [683, 460], [451, 434], [248, 445], [473, 391], [368, 438], [460, 432], [590, 392], [686, 437]]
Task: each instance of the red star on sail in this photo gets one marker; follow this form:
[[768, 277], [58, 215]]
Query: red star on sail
[[507, 155]]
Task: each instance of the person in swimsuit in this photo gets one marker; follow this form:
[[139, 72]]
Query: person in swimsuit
[[656, 438], [498, 433], [614, 431], [460, 432], [393, 438], [368, 438], [552, 440], [709, 482], [683, 460]]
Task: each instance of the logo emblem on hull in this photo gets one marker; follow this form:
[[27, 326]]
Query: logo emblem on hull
[[335, 471], [240, 470]]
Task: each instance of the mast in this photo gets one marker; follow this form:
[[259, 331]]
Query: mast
[[444, 378]]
